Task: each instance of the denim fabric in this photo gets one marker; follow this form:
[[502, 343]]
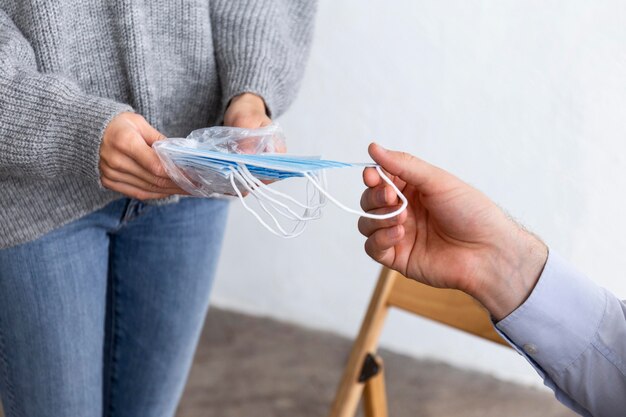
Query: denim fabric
[[101, 317]]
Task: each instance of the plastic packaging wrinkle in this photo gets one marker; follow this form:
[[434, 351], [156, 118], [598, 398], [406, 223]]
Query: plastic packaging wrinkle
[[192, 175], [220, 161]]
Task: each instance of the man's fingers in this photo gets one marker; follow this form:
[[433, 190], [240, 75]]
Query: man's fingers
[[371, 177], [367, 226], [131, 191], [381, 196], [380, 245], [425, 177]]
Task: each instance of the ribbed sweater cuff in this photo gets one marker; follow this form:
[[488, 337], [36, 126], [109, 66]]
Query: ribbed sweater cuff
[[54, 128], [256, 80], [261, 47], [81, 135], [250, 49]]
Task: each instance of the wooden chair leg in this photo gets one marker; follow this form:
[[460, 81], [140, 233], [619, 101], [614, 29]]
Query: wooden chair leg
[[374, 395], [350, 389]]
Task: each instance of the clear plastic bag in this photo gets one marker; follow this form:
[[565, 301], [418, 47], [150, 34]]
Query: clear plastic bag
[[224, 160], [192, 176]]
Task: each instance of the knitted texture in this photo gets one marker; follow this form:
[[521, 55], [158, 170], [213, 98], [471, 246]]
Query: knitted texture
[[68, 67]]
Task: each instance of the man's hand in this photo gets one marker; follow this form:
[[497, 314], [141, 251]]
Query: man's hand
[[128, 164], [451, 235]]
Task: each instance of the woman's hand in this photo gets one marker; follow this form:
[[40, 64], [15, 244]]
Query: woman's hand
[[246, 110], [128, 164], [451, 235]]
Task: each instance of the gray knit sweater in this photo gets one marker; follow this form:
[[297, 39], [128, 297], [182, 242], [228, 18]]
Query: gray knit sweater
[[67, 67]]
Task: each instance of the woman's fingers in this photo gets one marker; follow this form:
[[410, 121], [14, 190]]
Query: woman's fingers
[[131, 190], [124, 164], [159, 185], [145, 156], [127, 162], [368, 226]]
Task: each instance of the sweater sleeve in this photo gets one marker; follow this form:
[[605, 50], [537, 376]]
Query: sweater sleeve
[[48, 126], [261, 47]]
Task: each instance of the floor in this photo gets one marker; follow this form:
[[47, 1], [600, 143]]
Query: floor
[[250, 366]]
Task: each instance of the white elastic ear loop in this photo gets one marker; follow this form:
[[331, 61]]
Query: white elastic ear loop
[[309, 207], [311, 211], [266, 210], [281, 232], [313, 194], [274, 204], [243, 170], [260, 187], [361, 213], [259, 195]]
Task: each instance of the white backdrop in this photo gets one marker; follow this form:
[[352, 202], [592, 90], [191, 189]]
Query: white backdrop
[[524, 99]]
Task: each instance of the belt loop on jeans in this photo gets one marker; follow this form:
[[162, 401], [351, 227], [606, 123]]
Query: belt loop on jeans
[[133, 209]]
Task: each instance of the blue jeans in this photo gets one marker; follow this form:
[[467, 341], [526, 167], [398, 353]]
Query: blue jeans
[[101, 317]]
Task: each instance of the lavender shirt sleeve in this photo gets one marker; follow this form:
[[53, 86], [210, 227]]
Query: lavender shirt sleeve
[[573, 332]]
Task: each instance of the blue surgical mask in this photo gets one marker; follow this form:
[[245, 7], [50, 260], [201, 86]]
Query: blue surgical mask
[[205, 172]]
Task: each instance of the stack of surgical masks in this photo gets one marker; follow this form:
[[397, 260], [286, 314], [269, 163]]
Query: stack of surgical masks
[[221, 161]]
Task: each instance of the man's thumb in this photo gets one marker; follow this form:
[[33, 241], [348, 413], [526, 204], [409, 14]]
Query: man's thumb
[[412, 170]]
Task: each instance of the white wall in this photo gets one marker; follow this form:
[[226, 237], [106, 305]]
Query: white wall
[[524, 99]]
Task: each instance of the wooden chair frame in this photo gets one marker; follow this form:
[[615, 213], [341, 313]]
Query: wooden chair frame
[[364, 372]]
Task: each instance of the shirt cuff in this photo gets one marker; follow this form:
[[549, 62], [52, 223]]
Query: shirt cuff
[[560, 318]]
